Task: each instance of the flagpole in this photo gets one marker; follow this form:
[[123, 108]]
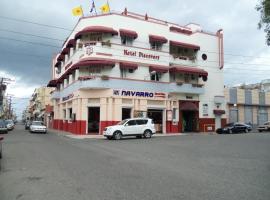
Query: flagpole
[[109, 6], [95, 7]]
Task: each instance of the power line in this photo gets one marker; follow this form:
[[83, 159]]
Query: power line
[[33, 43], [32, 35], [35, 23], [66, 29]]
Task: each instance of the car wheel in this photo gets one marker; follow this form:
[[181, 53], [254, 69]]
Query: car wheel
[[260, 131], [230, 131], [117, 135], [246, 130], [147, 134], [109, 137]]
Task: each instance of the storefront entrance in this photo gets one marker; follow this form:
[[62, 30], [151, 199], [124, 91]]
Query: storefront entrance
[[157, 116], [93, 119], [126, 113], [189, 116]]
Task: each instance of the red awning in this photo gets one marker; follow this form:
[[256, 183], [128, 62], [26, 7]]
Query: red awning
[[219, 112], [52, 83], [96, 29], [188, 106], [189, 70], [65, 51], [61, 57], [126, 65], [71, 43], [156, 38], [180, 30], [93, 63], [128, 33], [57, 64], [157, 68], [184, 45]]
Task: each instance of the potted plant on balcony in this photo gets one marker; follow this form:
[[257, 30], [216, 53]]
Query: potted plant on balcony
[[107, 43], [104, 77]]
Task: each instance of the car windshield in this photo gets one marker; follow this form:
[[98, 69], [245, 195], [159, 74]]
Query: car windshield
[[37, 123], [122, 122], [9, 121], [228, 125]]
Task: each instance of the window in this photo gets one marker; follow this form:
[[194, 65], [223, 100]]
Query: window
[[69, 113], [174, 114], [141, 122], [126, 40], [64, 114], [186, 78], [155, 76], [95, 37], [123, 73], [94, 71], [156, 46], [131, 123]]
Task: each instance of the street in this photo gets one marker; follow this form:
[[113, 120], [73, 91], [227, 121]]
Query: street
[[54, 167]]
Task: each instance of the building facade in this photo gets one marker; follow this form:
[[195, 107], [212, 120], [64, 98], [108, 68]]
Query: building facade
[[120, 65], [40, 100], [248, 104]]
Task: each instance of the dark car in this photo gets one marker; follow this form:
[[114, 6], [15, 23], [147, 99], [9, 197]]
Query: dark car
[[1, 138], [234, 128], [3, 126]]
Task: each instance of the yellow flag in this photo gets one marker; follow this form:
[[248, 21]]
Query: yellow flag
[[78, 11], [105, 8]]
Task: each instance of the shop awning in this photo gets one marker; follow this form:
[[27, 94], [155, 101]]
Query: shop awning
[[188, 106], [52, 83], [128, 33], [184, 45], [219, 112], [156, 38], [71, 43], [126, 65], [157, 68], [189, 70], [96, 29], [61, 57]]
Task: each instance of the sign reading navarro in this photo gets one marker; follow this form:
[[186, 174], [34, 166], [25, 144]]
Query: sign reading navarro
[[68, 97], [140, 54], [128, 93]]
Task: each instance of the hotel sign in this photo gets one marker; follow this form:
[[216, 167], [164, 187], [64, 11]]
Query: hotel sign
[[140, 54], [129, 93], [70, 96]]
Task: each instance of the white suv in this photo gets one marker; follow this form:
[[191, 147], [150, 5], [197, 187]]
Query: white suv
[[140, 127]]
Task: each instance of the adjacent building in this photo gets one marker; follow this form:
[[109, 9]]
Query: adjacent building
[[120, 65], [40, 100], [248, 103]]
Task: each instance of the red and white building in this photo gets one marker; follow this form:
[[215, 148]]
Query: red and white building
[[121, 65]]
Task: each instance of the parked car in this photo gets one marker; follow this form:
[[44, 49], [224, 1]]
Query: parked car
[[38, 127], [10, 124], [264, 127], [1, 138], [234, 128], [3, 126], [140, 127], [27, 125]]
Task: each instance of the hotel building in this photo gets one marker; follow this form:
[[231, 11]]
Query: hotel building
[[120, 65]]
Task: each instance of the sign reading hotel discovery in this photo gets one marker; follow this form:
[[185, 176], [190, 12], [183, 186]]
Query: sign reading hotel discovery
[[140, 54], [129, 93]]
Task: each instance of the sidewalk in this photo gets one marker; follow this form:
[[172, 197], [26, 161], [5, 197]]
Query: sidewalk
[[70, 135]]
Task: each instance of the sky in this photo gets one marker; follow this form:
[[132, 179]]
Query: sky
[[29, 65]]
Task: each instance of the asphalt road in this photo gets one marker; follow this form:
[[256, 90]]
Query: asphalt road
[[53, 167]]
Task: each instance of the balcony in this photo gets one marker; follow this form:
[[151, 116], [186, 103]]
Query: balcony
[[96, 82]]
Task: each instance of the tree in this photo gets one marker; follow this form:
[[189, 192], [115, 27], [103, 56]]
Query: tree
[[264, 8]]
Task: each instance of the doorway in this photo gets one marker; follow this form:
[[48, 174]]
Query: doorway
[[93, 119], [189, 121], [126, 113], [157, 116]]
